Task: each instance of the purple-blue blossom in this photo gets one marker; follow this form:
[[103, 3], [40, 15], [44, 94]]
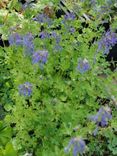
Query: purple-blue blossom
[[28, 43], [44, 35], [69, 16], [40, 57], [77, 144], [25, 89], [83, 65], [56, 37], [107, 42], [15, 39], [28, 38], [102, 117], [43, 18]]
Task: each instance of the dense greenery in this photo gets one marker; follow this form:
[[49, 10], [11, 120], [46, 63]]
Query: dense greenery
[[58, 94]]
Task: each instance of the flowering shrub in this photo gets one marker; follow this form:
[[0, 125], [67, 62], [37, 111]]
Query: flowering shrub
[[56, 68]]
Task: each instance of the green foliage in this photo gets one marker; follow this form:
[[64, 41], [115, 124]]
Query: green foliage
[[62, 98], [8, 151], [6, 147]]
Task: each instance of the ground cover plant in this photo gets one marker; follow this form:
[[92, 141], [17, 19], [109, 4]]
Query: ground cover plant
[[58, 78]]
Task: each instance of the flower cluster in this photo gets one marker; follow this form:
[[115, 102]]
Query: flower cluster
[[78, 144], [26, 41], [107, 41], [44, 35], [15, 39], [40, 56], [102, 117], [43, 18], [52, 35], [25, 89], [83, 66]]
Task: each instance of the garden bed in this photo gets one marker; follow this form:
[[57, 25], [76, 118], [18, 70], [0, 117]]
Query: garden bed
[[58, 78]]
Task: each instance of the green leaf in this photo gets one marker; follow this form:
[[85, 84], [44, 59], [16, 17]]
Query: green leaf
[[9, 150], [8, 107], [5, 135]]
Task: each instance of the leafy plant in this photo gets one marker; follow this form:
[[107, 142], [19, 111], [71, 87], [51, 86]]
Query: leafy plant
[[52, 74]]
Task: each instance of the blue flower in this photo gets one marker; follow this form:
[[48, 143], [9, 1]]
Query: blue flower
[[40, 57], [15, 39], [43, 18], [83, 65], [102, 117], [28, 43], [44, 35], [56, 37], [78, 145], [69, 16], [28, 38], [25, 89], [107, 41]]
